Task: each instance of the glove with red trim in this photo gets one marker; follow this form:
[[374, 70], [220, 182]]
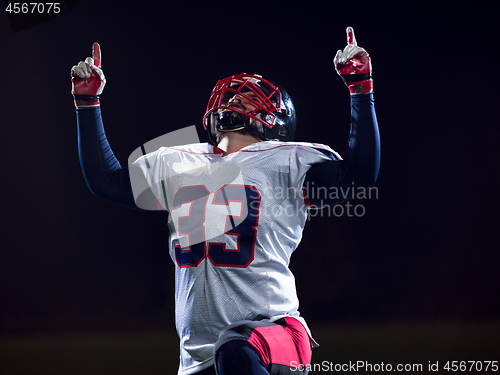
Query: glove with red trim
[[88, 80], [354, 66]]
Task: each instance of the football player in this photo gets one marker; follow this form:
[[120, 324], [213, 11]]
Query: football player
[[237, 207]]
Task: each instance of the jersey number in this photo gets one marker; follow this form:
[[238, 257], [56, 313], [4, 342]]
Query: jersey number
[[242, 226]]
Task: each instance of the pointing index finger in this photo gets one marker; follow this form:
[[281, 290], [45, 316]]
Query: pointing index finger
[[351, 38], [96, 54]]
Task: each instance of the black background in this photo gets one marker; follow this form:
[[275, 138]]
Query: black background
[[426, 248]]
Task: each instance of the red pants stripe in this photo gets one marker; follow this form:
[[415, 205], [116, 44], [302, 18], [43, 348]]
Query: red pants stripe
[[283, 343]]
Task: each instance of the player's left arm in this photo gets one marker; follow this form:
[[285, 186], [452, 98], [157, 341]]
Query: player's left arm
[[360, 167]]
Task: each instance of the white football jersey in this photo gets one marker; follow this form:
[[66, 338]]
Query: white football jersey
[[234, 222]]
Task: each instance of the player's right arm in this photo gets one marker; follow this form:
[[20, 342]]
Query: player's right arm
[[104, 175], [360, 167]]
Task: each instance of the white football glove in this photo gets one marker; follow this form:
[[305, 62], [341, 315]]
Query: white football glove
[[88, 80], [354, 66]]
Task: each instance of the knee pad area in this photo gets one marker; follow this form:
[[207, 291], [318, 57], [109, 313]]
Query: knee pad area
[[239, 358]]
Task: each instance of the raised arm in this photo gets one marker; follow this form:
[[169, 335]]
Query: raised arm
[[361, 164], [103, 173]]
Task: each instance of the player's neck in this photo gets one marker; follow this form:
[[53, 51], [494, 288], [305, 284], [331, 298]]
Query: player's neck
[[233, 141]]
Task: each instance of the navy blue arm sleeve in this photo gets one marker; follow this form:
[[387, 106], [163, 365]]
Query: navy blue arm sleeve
[[103, 173], [361, 164]]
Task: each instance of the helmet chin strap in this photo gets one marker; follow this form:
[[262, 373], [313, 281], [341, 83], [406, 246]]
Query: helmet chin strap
[[232, 130], [229, 121]]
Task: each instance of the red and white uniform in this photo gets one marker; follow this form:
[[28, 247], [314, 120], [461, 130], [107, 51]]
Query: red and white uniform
[[234, 222]]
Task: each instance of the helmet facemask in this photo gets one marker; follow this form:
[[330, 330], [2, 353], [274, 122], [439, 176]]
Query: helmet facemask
[[266, 102]]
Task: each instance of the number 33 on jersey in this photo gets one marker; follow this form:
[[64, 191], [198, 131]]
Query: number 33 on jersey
[[221, 216]]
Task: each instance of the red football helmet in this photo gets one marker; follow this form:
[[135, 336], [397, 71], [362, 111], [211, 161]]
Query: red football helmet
[[272, 118]]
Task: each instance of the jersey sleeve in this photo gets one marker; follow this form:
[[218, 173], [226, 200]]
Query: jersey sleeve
[[306, 155], [147, 180], [160, 173], [359, 168]]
